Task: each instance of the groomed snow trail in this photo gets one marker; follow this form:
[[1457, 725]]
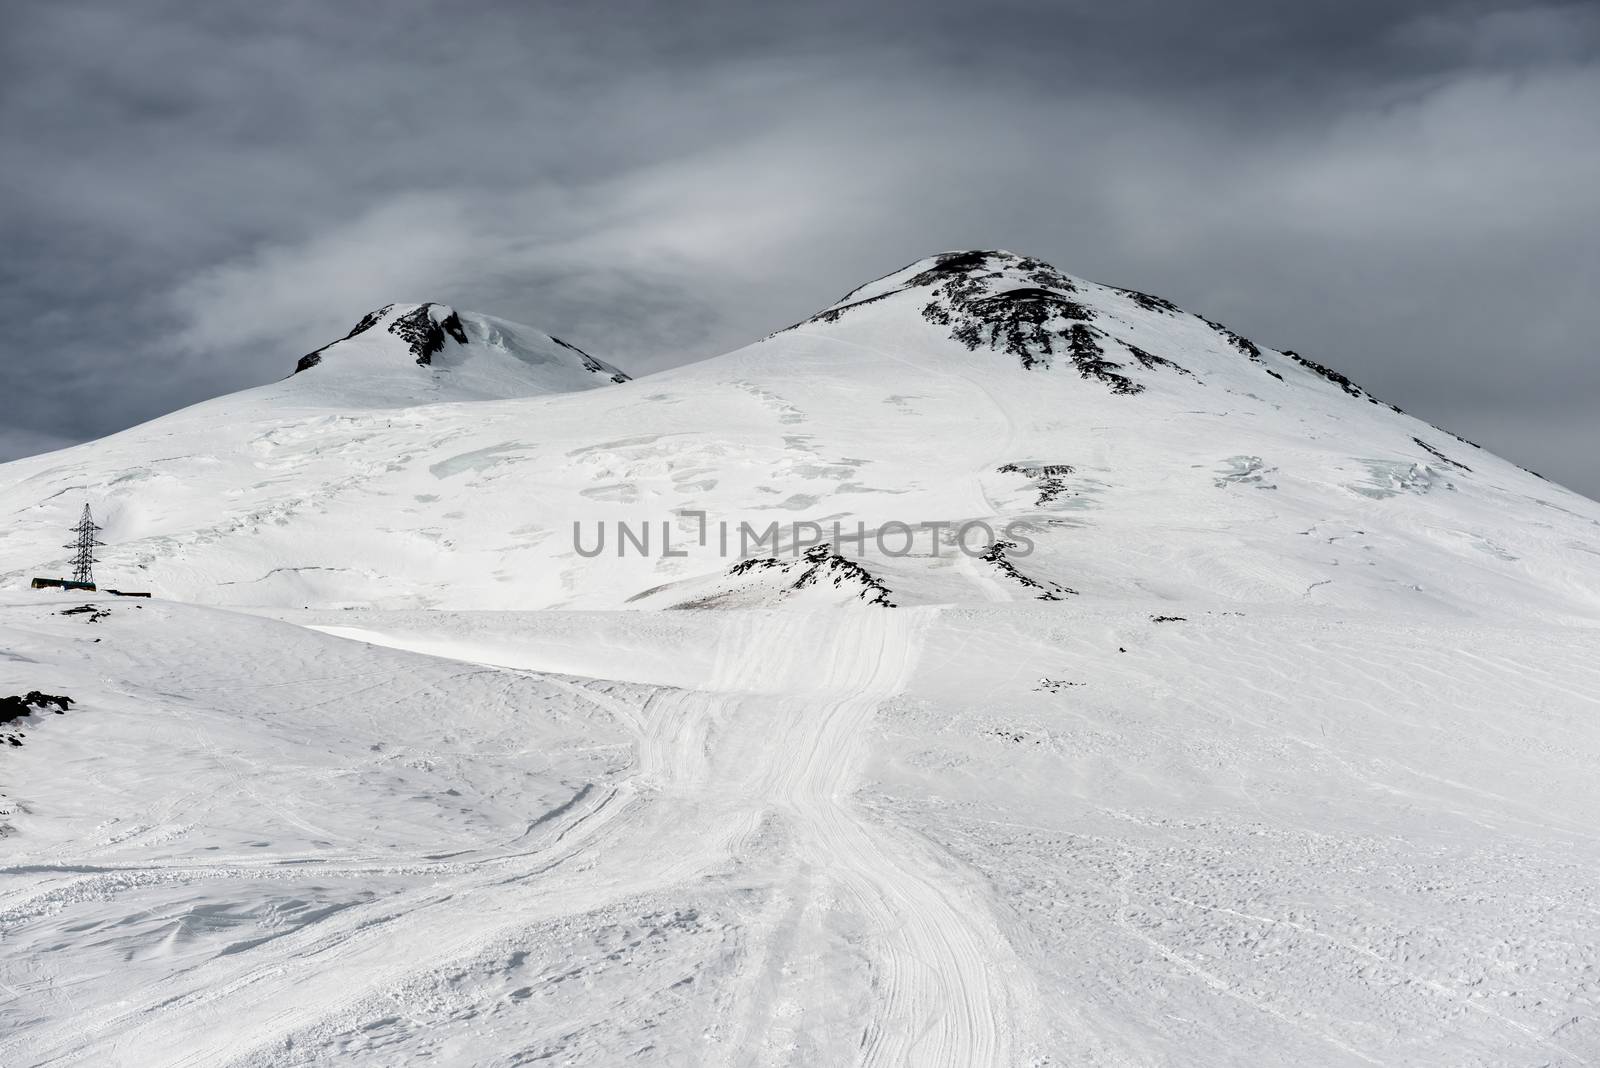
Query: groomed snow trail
[[940, 993], [780, 732]]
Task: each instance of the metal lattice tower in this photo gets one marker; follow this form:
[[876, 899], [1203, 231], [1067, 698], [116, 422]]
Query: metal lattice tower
[[83, 559]]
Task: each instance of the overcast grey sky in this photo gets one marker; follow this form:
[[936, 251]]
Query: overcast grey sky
[[194, 195]]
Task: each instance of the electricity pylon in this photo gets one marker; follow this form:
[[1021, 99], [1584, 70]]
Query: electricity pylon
[[83, 559]]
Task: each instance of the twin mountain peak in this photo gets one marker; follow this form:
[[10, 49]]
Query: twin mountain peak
[[990, 300]]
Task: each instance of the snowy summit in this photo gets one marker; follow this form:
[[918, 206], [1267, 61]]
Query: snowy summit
[[415, 353]]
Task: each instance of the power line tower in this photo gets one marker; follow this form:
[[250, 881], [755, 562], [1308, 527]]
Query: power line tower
[[83, 559]]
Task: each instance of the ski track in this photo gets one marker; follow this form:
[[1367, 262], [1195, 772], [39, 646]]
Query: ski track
[[939, 998], [779, 733]]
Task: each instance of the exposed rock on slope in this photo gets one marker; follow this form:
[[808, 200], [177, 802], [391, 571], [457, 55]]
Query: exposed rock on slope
[[818, 576], [425, 332]]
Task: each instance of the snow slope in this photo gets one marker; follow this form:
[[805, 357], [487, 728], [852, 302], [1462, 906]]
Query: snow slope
[[784, 837], [1277, 747]]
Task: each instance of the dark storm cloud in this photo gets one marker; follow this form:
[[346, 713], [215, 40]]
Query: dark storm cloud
[[194, 195]]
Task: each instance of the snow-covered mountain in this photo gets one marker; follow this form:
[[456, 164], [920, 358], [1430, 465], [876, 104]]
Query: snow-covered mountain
[[1146, 452], [406, 354], [1116, 690]]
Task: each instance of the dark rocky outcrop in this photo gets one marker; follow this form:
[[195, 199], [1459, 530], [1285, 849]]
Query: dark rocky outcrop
[[1049, 479], [971, 294], [1028, 309], [1088, 356], [1021, 306], [13, 709], [1338, 379], [1150, 360], [424, 335], [1330, 374], [822, 565], [1238, 341], [1048, 591]]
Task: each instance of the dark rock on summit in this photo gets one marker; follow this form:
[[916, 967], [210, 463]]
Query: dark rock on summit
[[424, 335]]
